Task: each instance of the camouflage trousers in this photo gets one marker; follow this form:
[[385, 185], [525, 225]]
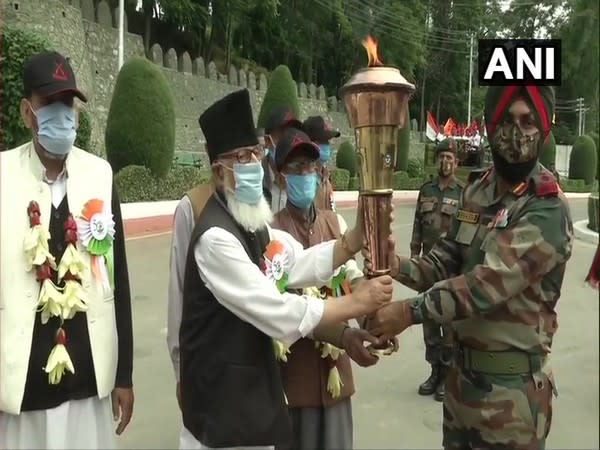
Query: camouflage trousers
[[438, 343], [498, 412]]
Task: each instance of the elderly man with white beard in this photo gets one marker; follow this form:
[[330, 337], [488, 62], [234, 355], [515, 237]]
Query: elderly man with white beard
[[234, 303]]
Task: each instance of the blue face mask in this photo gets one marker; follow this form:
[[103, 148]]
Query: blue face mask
[[301, 189], [248, 182], [57, 128], [324, 152]]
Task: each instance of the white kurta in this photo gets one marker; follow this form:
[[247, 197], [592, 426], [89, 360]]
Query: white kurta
[[220, 256], [81, 424]]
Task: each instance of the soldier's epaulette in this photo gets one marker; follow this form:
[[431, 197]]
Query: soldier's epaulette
[[546, 185], [477, 174]]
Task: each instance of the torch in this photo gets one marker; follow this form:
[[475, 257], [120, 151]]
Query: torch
[[376, 100]]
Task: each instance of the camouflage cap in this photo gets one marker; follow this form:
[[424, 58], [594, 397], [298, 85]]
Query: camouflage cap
[[447, 145]]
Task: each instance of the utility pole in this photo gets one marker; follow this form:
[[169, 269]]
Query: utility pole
[[470, 78], [580, 116], [121, 27]]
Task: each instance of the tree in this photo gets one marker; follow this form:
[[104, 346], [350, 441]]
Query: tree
[[140, 129], [282, 91]]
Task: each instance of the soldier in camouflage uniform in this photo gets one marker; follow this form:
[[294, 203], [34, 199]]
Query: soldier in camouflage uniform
[[436, 204], [497, 277]]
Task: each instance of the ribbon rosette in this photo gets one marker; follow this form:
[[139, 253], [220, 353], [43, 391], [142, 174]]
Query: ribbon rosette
[[96, 232], [276, 261]]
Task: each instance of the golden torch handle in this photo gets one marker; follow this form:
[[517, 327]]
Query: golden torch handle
[[377, 209]]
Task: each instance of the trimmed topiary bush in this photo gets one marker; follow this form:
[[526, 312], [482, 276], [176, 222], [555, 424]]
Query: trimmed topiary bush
[[403, 144], [354, 184], [282, 91], [593, 212], [340, 179], [135, 184], [17, 46], [548, 156], [140, 129], [414, 168], [84, 131], [583, 160], [346, 158]]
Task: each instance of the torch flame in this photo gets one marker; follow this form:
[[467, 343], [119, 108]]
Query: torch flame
[[370, 45]]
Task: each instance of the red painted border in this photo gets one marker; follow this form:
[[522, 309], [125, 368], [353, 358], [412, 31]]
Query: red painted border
[[135, 228]]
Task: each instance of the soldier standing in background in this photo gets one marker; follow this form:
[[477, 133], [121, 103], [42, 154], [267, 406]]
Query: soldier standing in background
[[436, 204], [321, 134], [497, 277]]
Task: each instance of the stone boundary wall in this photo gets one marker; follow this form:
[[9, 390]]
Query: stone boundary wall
[[89, 37]]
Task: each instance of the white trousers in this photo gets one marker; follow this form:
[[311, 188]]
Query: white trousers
[[76, 424], [187, 441]]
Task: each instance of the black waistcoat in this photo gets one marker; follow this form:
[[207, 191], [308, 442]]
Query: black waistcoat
[[231, 387], [82, 384]]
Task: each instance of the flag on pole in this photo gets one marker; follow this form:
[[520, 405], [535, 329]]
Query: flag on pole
[[432, 129]]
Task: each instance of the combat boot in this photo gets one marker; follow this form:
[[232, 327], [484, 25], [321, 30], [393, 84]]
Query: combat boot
[[429, 386], [440, 390]]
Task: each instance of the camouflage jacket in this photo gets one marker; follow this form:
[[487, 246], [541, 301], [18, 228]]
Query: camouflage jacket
[[433, 214], [497, 274]]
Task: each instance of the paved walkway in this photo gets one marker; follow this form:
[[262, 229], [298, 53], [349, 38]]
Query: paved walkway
[[388, 413]]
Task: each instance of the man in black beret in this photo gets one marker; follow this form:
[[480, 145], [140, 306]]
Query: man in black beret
[[235, 301]]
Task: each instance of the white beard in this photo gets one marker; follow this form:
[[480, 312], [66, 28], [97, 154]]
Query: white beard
[[249, 217]]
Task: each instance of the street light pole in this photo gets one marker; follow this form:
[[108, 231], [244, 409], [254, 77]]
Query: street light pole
[[470, 78], [121, 20]]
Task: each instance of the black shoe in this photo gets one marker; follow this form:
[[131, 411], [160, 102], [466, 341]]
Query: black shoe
[[430, 384], [440, 391]]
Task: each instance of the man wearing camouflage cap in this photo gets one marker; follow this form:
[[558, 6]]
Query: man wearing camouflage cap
[[436, 204], [497, 277]]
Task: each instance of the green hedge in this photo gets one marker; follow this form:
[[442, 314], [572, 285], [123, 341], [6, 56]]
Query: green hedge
[[140, 129], [345, 158], [583, 160], [17, 46], [84, 131], [354, 184], [340, 179], [137, 184], [282, 91], [593, 212], [568, 185]]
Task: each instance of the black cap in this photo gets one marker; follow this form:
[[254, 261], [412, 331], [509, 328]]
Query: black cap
[[228, 124], [281, 117], [447, 145], [49, 73], [294, 140], [319, 130]]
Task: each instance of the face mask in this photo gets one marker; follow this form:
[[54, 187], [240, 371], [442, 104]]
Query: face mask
[[445, 169], [324, 152], [301, 189], [57, 128], [514, 146], [248, 182]]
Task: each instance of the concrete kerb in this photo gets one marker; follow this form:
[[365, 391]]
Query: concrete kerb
[[584, 233], [150, 218]]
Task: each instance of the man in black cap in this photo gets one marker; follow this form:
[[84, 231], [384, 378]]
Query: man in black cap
[[67, 342], [280, 119], [235, 301], [321, 133]]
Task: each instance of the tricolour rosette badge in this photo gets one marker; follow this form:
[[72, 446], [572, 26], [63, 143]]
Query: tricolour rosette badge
[[97, 232]]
